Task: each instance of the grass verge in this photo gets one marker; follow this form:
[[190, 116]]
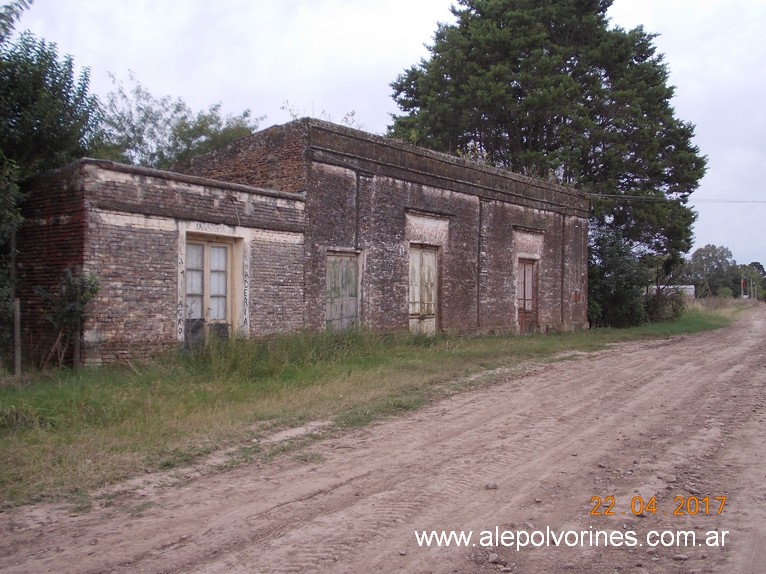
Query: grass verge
[[72, 432]]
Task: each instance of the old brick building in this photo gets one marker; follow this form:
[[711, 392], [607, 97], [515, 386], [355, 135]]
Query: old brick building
[[307, 225]]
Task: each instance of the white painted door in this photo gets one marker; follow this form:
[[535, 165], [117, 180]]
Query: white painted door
[[423, 289]]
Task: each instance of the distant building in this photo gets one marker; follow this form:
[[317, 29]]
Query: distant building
[[687, 290], [308, 225]]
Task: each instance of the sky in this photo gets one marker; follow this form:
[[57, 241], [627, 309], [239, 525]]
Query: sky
[[326, 58]]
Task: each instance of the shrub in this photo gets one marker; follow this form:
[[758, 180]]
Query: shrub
[[666, 305], [725, 292]]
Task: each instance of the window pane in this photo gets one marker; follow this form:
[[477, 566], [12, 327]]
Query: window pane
[[218, 258], [194, 282], [194, 256], [207, 281], [194, 307], [217, 308], [218, 283]]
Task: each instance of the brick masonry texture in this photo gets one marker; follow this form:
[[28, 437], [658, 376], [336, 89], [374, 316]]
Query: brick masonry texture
[[124, 224], [286, 197], [277, 288], [358, 189]]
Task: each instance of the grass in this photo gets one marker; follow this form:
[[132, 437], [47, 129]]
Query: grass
[[68, 432]]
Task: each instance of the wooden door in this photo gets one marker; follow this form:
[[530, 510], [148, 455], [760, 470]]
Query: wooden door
[[526, 294], [423, 290], [342, 293]]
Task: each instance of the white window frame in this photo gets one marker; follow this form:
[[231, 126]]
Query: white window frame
[[208, 244]]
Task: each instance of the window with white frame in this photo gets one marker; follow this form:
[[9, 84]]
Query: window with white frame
[[208, 289]]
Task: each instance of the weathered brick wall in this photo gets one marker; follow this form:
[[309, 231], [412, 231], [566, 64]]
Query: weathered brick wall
[[331, 225], [277, 296], [133, 315], [458, 259], [359, 188], [125, 224], [483, 206], [363, 194], [329, 143], [497, 281], [50, 241], [382, 239], [131, 189], [273, 160]]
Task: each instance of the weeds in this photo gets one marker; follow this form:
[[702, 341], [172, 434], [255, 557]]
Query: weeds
[[77, 431]]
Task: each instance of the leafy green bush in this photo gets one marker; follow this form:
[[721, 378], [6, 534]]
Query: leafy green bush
[[67, 309], [725, 292], [667, 305]]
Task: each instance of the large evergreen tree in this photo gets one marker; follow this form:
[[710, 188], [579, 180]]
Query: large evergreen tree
[[549, 89]]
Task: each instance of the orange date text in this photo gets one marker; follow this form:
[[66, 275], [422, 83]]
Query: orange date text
[[638, 506]]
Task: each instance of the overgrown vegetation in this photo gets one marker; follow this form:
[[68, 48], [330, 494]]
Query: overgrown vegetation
[[713, 271], [67, 432], [67, 312], [141, 129], [48, 118]]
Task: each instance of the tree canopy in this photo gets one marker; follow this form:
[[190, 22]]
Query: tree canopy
[[142, 129], [712, 268], [48, 115], [550, 90], [547, 89], [9, 15]]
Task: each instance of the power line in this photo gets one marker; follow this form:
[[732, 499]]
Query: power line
[[730, 200], [658, 199]]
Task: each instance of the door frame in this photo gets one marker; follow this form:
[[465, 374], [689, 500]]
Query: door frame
[[424, 323], [527, 303]]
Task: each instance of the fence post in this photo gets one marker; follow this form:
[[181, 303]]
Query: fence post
[[17, 337]]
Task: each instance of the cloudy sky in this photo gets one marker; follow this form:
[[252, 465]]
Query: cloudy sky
[[329, 57]]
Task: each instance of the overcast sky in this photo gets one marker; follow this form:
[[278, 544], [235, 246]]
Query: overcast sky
[[328, 57]]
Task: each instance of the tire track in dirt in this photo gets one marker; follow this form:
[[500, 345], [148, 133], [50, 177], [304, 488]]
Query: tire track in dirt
[[619, 422], [464, 475]]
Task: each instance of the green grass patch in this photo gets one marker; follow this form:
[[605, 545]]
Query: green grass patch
[[77, 431]]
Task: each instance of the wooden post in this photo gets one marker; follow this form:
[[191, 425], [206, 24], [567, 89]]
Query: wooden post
[[76, 360], [17, 337]]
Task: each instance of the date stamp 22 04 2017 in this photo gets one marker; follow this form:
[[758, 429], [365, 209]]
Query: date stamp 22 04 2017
[[682, 506]]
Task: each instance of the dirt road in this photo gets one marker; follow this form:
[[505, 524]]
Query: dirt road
[[658, 420]]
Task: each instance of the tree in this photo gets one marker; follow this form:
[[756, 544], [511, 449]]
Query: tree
[[616, 280], [47, 114], [159, 132], [10, 14], [547, 89], [47, 119], [710, 269]]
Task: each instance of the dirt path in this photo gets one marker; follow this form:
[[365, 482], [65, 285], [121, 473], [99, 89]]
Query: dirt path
[[681, 417]]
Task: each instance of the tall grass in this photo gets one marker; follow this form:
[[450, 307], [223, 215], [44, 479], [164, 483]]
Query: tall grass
[[75, 431]]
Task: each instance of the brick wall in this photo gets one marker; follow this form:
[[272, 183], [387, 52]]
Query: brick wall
[[329, 189], [359, 188], [273, 160], [133, 315], [277, 295], [371, 183], [127, 225], [50, 240]]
